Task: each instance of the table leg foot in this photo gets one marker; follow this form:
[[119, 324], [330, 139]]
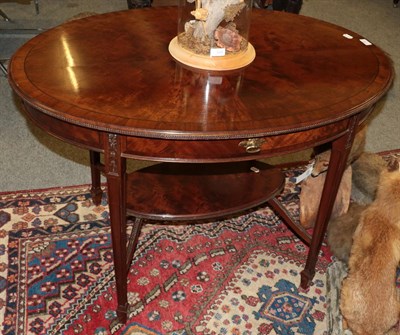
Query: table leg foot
[[96, 194], [122, 313], [4, 16], [306, 278], [96, 168], [37, 7]]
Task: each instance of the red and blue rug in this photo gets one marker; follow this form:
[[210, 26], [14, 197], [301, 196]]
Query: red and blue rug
[[236, 276]]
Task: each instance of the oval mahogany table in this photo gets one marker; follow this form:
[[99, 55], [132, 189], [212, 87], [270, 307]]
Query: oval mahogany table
[[107, 83]]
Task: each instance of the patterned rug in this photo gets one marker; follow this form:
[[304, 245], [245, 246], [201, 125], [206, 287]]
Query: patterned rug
[[236, 276]]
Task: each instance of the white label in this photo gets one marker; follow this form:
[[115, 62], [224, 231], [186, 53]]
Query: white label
[[217, 52], [304, 175], [348, 36], [364, 41]]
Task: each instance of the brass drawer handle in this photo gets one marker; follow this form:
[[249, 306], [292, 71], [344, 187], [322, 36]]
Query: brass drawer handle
[[252, 145]]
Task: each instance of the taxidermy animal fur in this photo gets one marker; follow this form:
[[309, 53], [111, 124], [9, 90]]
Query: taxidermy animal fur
[[311, 188], [369, 299], [365, 178], [322, 155], [311, 191], [341, 230], [366, 171]]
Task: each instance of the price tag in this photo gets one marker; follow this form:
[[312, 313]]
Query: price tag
[[364, 41], [348, 36], [304, 175], [217, 52]]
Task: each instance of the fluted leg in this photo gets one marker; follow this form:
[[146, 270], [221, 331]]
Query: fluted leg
[[115, 170]]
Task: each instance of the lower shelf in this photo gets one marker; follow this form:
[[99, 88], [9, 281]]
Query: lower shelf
[[175, 191]]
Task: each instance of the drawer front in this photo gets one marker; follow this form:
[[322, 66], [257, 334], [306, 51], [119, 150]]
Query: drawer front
[[230, 149]]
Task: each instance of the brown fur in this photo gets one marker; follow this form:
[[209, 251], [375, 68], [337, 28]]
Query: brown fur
[[341, 230], [394, 331], [311, 188], [369, 299], [310, 195], [366, 173], [322, 156]]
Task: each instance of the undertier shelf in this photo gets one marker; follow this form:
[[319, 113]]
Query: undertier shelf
[[175, 191]]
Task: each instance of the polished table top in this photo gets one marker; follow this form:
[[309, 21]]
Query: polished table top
[[113, 72]]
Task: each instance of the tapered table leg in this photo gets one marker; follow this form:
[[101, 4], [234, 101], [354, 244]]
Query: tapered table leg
[[340, 151], [95, 169], [115, 170]]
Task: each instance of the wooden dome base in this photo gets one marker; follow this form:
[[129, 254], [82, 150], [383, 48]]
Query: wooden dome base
[[228, 62]]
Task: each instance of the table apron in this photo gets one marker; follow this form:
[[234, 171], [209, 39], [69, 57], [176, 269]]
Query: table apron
[[168, 150], [173, 150], [83, 137]]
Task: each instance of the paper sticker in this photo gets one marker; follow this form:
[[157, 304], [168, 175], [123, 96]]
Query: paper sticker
[[364, 41], [217, 52], [304, 175], [254, 169], [348, 36]]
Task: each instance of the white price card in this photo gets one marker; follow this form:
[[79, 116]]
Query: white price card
[[217, 52]]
